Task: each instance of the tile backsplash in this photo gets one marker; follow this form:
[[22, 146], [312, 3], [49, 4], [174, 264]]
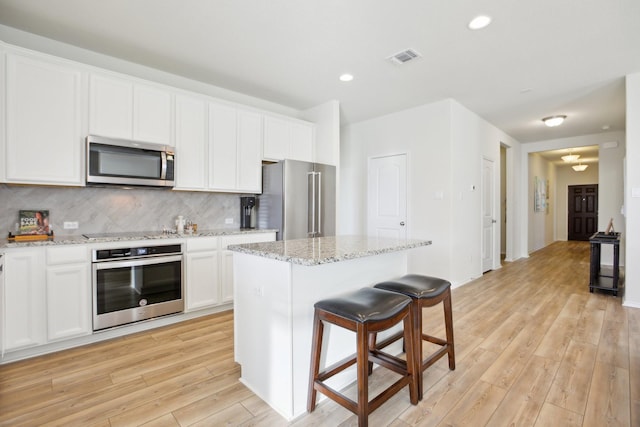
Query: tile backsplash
[[107, 210]]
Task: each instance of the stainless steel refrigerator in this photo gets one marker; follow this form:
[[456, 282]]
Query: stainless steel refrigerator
[[298, 199]]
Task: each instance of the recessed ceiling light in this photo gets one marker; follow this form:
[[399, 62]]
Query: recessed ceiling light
[[553, 121], [479, 22], [346, 77]]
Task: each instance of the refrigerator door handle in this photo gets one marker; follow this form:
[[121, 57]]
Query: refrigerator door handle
[[319, 204], [311, 204]]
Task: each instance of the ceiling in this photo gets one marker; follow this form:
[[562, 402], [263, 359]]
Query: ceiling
[[589, 155], [536, 59]]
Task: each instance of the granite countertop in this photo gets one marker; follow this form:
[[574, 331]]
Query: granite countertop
[[324, 250], [128, 236]]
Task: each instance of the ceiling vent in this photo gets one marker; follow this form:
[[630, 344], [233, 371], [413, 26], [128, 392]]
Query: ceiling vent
[[404, 56]]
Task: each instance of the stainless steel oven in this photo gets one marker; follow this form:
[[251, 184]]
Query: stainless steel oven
[[136, 283]]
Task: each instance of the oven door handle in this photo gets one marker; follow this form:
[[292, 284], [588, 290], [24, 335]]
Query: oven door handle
[[107, 265]]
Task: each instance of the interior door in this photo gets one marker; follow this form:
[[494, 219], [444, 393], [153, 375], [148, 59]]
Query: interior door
[[583, 211], [387, 197], [488, 215]]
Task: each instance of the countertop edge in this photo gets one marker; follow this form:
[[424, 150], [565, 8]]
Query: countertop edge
[[81, 240], [327, 260]]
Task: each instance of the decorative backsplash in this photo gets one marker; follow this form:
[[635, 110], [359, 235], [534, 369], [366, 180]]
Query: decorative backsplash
[[107, 210]]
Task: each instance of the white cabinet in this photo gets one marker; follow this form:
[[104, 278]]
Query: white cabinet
[[191, 143], [226, 263], [288, 139], [235, 139], [202, 278], [24, 299], [209, 268], [44, 121], [68, 293], [122, 108]]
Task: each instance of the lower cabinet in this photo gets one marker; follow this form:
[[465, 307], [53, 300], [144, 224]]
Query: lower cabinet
[[25, 319], [202, 288], [68, 292], [209, 268]]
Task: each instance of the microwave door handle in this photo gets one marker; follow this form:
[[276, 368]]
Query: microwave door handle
[[163, 168]]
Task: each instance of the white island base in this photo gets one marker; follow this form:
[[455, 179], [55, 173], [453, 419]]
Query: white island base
[[273, 316]]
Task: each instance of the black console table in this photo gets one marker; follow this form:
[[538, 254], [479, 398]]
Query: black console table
[[605, 278]]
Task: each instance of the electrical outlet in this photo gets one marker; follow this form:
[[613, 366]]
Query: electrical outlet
[[70, 225], [228, 221]]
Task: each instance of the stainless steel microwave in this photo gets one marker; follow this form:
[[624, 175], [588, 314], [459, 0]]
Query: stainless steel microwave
[[129, 163]]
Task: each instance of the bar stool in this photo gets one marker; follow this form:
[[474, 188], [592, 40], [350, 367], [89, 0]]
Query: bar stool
[[365, 312], [425, 291]]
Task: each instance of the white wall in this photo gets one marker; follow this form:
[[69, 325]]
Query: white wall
[[445, 144], [631, 234], [423, 133], [541, 223]]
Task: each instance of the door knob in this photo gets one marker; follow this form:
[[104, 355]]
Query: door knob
[[493, 221], [402, 223]]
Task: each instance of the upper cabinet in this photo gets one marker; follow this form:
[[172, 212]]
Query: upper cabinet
[[218, 147], [235, 143], [191, 143], [44, 121], [122, 108], [288, 139]]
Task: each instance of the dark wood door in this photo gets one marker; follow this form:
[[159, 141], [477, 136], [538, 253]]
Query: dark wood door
[[583, 211]]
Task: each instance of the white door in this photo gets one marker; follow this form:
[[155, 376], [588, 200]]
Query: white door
[[387, 201], [488, 215]]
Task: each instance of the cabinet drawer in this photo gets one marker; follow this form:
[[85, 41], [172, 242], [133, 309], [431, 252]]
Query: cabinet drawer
[[202, 244], [67, 255]]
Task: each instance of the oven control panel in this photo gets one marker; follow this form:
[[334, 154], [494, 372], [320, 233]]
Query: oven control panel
[[137, 252]]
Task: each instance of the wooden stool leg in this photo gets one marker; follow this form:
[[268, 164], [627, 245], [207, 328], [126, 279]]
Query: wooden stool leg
[[410, 352], [316, 349], [362, 366], [416, 314], [448, 321]]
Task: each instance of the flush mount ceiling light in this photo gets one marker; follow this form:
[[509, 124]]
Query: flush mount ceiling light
[[479, 22], [346, 77], [553, 121], [580, 167]]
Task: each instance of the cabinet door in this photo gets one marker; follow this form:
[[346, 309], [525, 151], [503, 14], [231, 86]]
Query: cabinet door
[[249, 152], [222, 147], [191, 143], [152, 114], [44, 140], [24, 299], [276, 138], [110, 107], [68, 301], [301, 147], [202, 288]]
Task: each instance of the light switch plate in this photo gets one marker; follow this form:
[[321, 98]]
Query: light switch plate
[[70, 225]]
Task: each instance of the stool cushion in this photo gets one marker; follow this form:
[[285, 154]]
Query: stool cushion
[[365, 304], [416, 286]]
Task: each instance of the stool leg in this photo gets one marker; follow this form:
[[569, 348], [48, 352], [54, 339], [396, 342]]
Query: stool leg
[[448, 322], [416, 314], [316, 349], [362, 366], [410, 352]]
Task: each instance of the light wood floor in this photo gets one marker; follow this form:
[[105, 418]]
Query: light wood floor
[[534, 348]]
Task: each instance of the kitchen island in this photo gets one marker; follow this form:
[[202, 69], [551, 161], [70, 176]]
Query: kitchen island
[[276, 286]]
